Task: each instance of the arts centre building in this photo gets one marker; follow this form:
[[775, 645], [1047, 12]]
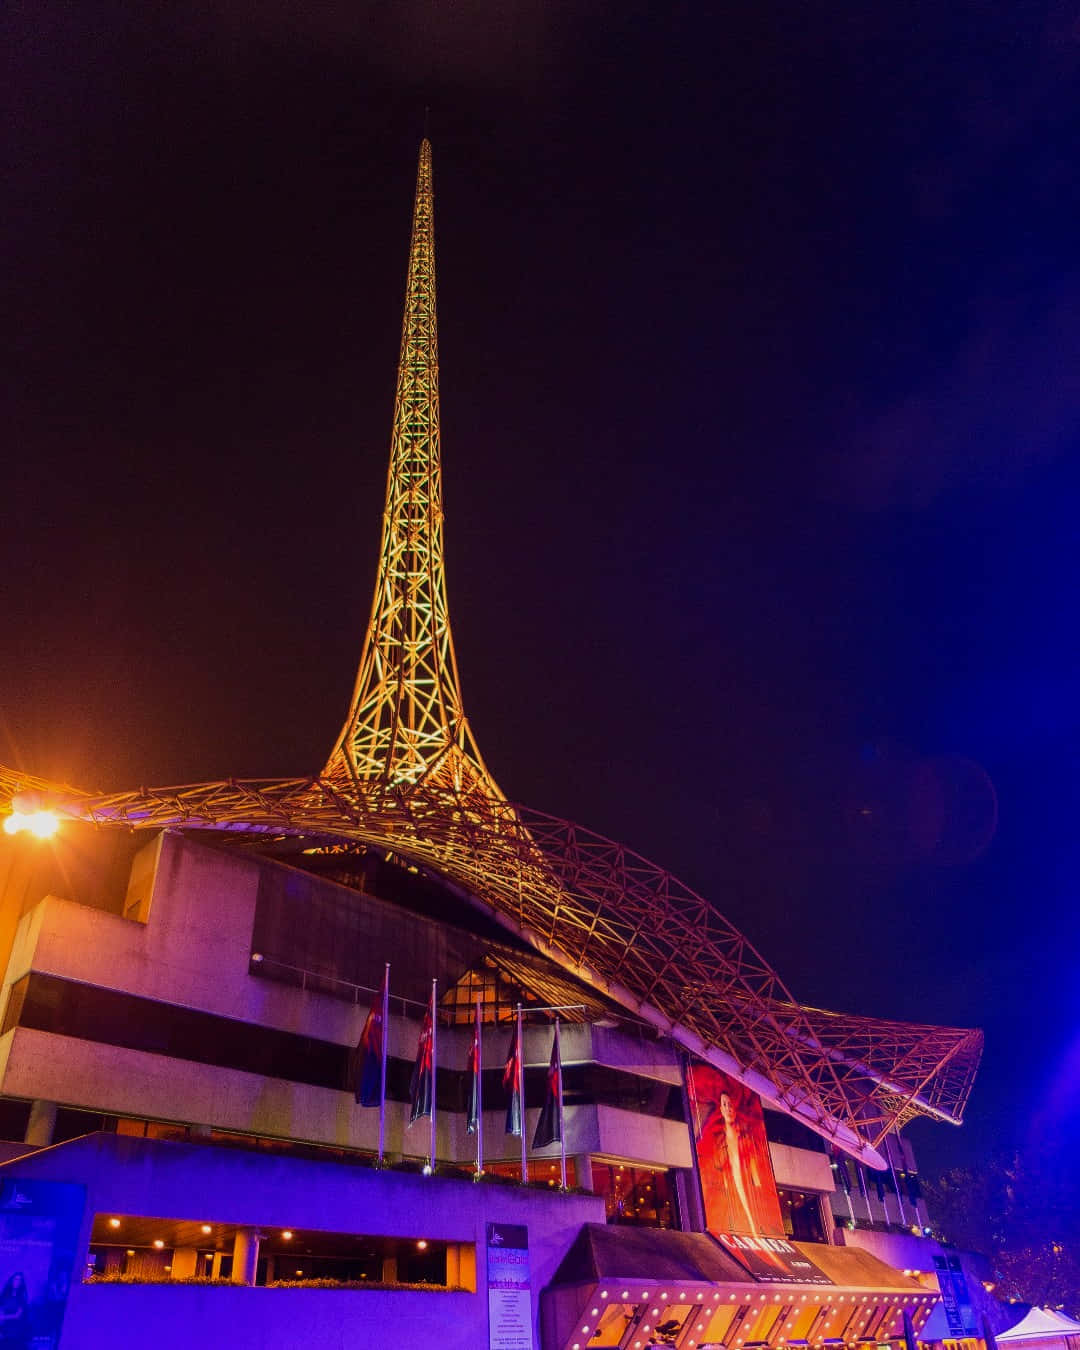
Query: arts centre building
[[382, 1058]]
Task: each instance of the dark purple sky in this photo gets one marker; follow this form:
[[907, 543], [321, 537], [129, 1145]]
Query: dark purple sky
[[760, 338]]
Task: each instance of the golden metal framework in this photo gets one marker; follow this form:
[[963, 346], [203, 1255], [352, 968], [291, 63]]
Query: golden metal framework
[[406, 722], [406, 778], [606, 915]]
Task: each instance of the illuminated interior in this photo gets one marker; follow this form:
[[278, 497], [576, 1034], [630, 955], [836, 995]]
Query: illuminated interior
[[146, 1248]]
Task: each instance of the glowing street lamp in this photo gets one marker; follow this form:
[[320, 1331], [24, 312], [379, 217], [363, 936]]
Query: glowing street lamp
[[42, 824]]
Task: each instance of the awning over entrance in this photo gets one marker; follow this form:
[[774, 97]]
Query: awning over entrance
[[855, 1268], [610, 1251], [638, 1288]]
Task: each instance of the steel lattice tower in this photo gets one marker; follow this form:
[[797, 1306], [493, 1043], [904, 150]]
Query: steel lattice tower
[[406, 724]]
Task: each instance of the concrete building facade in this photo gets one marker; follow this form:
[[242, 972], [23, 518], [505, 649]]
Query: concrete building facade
[[198, 1088]]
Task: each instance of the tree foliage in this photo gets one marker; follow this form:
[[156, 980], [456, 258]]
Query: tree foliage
[[1023, 1212]]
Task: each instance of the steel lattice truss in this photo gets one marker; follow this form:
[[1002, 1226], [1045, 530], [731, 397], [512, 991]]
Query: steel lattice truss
[[406, 778], [406, 723], [608, 916], [895, 1054]]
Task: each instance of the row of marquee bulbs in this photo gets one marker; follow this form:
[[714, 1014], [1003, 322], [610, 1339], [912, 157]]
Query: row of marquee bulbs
[[286, 1233], [899, 1299], [204, 1228]]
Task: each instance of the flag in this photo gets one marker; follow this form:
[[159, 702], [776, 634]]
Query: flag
[[422, 1082], [512, 1084], [549, 1126], [367, 1082], [472, 1105]]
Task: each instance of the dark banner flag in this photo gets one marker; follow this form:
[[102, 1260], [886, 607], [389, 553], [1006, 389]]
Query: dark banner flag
[[472, 1105], [421, 1084], [549, 1126], [954, 1296], [512, 1083], [367, 1084]]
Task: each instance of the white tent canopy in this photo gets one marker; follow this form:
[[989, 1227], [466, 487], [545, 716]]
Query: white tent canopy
[[1041, 1327]]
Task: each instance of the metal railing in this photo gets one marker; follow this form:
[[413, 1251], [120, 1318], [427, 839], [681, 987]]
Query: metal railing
[[322, 983]]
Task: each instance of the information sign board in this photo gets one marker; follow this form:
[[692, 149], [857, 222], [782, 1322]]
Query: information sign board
[[509, 1284]]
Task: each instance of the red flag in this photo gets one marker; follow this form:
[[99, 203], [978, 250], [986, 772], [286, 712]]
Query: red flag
[[549, 1125], [421, 1086], [472, 1106], [367, 1085], [512, 1083]]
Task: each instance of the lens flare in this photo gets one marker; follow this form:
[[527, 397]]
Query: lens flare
[[43, 824]]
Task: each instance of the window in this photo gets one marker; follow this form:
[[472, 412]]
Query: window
[[539, 1172], [149, 1249], [14, 1118], [634, 1195], [802, 1215]]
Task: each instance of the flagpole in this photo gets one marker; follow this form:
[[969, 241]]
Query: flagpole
[[562, 1132], [524, 1130], [479, 1095], [382, 1069], [434, 1079]]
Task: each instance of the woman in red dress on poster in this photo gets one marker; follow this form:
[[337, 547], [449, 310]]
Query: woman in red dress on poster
[[736, 1171]]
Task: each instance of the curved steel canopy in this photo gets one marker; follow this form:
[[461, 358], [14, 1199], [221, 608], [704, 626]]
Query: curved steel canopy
[[606, 915]]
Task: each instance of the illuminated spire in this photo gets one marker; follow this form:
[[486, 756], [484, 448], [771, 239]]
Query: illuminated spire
[[406, 724]]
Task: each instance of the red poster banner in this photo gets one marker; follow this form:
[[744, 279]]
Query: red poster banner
[[733, 1156]]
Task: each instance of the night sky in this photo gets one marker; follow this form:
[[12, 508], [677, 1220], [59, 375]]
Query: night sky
[[760, 351]]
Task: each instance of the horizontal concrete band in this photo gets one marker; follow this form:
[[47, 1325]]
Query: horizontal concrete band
[[72, 1008]]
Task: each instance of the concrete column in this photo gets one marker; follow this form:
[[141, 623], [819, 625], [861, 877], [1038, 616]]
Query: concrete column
[[215, 1269], [389, 1270], [453, 1265], [245, 1261], [42, 1123], [583, 1177], [467, 1266], [184, 1262], [688, 1200], [271, 1270], [828, 1220]]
